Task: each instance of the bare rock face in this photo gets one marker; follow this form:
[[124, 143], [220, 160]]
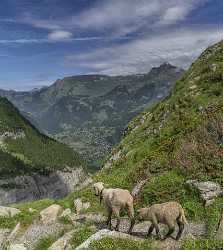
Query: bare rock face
[[208, 190], [8, 211], [50, 214], [28, 188]]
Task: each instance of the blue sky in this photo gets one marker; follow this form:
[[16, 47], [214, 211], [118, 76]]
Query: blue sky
[[43, 40]]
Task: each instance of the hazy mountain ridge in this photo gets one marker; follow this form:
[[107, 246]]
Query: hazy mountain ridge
[[90, 112]]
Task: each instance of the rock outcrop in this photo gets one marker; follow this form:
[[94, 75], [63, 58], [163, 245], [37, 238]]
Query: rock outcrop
[[8, 211], [138, 187], [208, 190], [50, 214], [37, 231], [28, 188], [63, 242], [79, 205], [102, 234]]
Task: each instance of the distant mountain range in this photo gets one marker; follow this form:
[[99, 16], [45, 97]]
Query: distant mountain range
[[90, 112]]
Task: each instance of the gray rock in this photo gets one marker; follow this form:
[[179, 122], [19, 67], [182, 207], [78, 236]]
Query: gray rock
[[168, 244], [8, 211], [28, 188], [105, 233], [208, 190], [37, 231], [197, 229], [79, 205], [7, 237], [3, 237], [12, 135], [50, 214], [63, 242], [114, 157], [17, 247], [138, 187], [213, 67], [96, 218], [66, 213]]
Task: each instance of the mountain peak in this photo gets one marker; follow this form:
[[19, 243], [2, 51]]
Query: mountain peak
[[164, 67]]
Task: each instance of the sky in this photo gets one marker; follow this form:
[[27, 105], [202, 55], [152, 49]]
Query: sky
[[43, 40]]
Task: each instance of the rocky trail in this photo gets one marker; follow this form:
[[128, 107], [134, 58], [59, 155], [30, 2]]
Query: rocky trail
[[51, 223], [38, 230]]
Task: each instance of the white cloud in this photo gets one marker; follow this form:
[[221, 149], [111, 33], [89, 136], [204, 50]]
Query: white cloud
[[120, 17], [173, 15], [49, 40], [179, 47], [22, 41], [131, 15], [59, 35]]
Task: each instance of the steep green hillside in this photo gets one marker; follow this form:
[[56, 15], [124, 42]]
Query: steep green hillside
[[183, 133], [178, 139], [23, 149]]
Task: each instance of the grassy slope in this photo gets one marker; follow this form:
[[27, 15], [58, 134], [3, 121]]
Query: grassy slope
[[184, 132], [180, 137], [34, 152], [177, 139]]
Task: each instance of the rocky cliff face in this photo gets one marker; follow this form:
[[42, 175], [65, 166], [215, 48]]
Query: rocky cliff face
[[28, 188], [32, 165]]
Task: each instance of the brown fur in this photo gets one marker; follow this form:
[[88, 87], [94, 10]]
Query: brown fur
[[167, 213], [116, 200]]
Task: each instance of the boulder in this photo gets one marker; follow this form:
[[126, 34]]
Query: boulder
[[8, 211], [63, 242], [50, 214], [168, 244], [105, 233], [79, 205], [208, 190], [66, 213]]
